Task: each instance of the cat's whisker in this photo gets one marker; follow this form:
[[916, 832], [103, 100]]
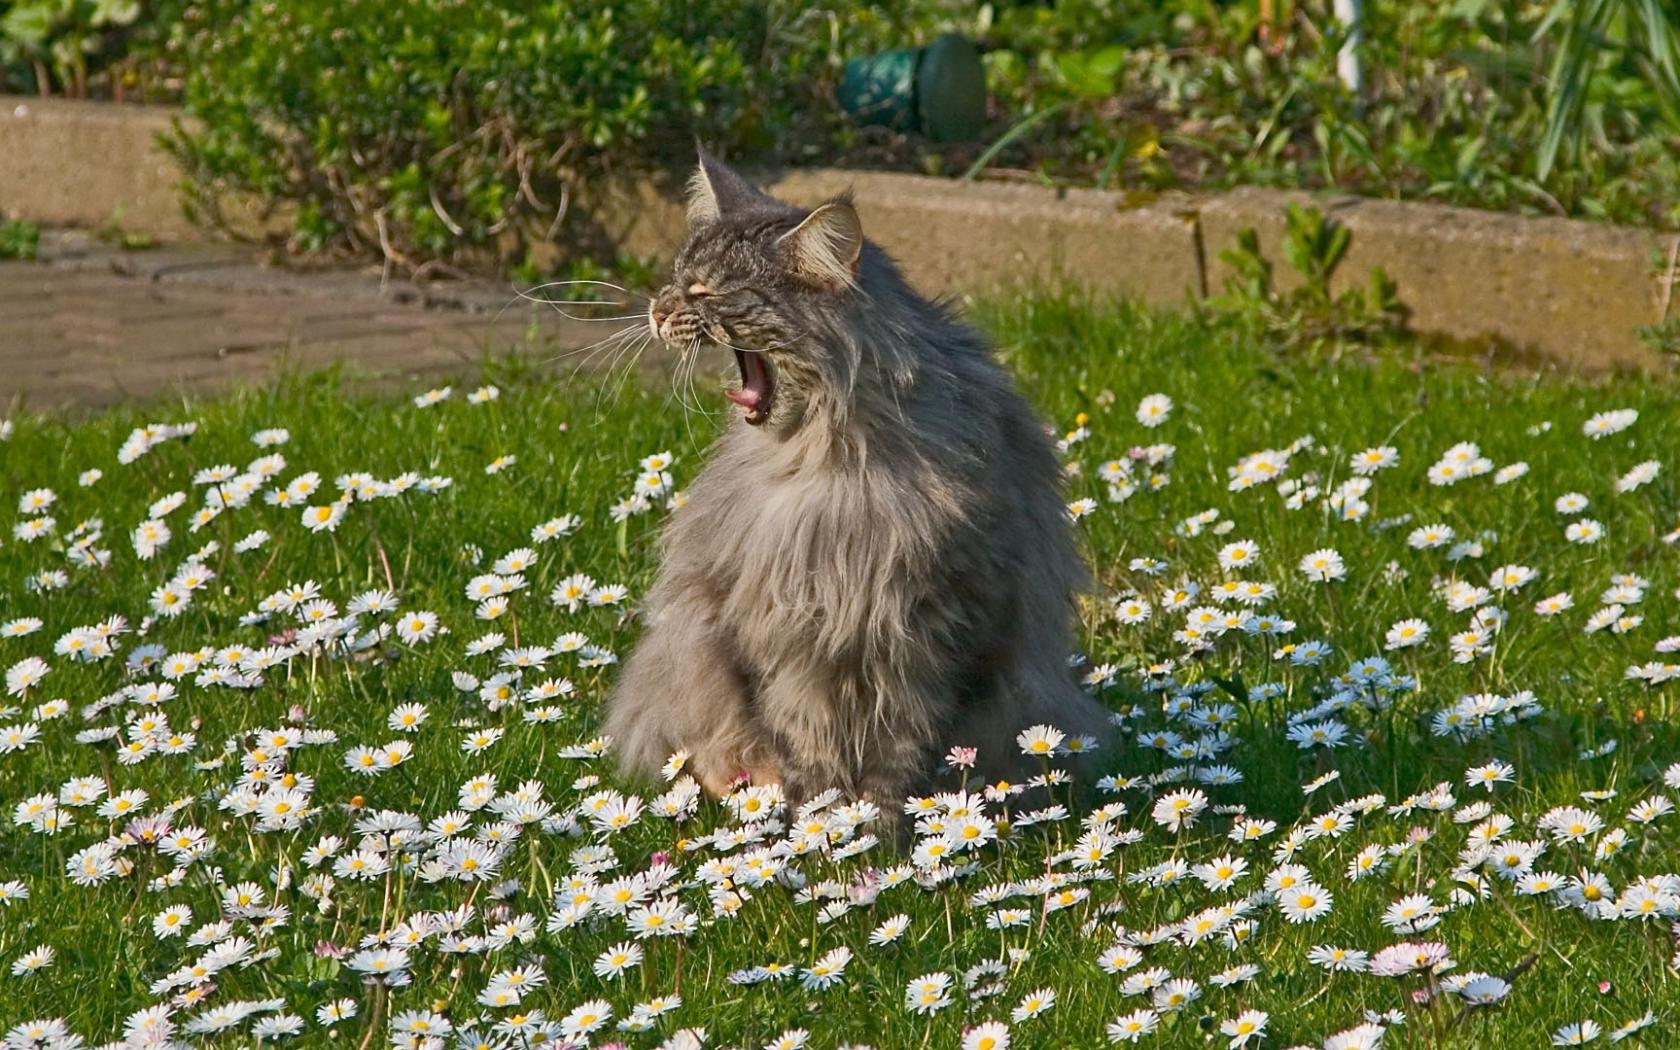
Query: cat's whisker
[[614, 350], [596, 345], [567, 284], [568, 315], [679, 383], [630, 352], [687, 368], [754, 350], [678, 377], [531, 295], [631, 359]]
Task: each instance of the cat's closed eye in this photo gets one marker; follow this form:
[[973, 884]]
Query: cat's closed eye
[[698, 290]]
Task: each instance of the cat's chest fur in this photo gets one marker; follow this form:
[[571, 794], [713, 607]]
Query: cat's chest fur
[[800, 549]]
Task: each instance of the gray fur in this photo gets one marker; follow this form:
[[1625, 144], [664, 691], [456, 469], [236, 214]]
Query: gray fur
[[884, 567]]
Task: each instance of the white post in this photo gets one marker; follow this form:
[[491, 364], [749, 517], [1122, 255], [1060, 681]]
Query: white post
[[1350, 13]]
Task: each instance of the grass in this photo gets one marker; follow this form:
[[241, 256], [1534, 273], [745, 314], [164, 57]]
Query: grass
[[577, 453]]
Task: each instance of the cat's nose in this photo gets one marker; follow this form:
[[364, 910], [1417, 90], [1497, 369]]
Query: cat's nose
[[657, 315]]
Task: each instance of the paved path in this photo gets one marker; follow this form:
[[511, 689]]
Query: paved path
[[90, 325]]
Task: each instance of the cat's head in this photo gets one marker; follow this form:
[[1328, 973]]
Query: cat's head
[[764, 280]]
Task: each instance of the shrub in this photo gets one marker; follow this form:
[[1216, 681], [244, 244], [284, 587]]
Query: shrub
[[62, 45], [19, 239], [460, 130]]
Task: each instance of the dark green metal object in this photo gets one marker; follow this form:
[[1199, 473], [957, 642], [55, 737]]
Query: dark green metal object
[[938, 90]]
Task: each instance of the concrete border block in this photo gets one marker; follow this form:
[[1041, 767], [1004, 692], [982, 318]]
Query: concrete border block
[[68, 163], [952, 236], [1574, 290]]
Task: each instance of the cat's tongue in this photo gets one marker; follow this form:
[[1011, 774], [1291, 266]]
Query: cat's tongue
[[746, 397], [754, 392]]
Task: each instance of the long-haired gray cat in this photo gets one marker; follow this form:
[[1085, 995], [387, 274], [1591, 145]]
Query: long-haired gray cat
[[875, 564]]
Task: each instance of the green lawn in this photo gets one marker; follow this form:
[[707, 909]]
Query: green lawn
[[254, 777]]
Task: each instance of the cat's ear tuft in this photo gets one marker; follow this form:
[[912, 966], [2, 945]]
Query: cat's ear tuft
[[826, 247], [715, 190]]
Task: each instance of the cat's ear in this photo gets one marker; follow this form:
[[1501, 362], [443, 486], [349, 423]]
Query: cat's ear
[[716, 190], [825, 248]]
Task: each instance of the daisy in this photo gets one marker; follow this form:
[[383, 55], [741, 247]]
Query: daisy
[[1639, 476], [1634, 1025], [555, 528], [25, 674], [585, 1019], [1175, 995], [1179, 809], [1040, 740], [928, 994], [172, 921], [324, 518], [34, 960], [1119, 958], [571, 592], [18, 628], [992, 1035], [1305, 902], [1239, 555], [890, 931], [1372, 460], [1153, 410], [417, 627], [612, 963], [1246, 1026], [612, 594], [1220, 874], [1486, 776], [1430, 536], [1129, 1028], [1584, 531], [827, 971], [1329, 957], [1323, 566], [1601, 425], [1406, 633], [1033, 1004], [1582, 1032]]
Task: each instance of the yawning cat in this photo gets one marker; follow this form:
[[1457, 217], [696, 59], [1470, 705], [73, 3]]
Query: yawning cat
[[875, 563]]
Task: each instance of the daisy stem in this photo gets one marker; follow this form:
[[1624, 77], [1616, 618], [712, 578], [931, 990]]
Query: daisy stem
[[385, 905], [374, 1016], [384, 561]]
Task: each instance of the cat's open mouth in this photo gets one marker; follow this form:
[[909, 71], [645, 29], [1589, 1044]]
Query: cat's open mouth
[[758, 386]]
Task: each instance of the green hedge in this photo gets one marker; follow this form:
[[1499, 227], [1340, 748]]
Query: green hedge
[[84, 47], [454, 131], [458, 130]]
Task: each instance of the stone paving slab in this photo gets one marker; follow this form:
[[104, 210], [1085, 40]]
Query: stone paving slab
[[90, 325]]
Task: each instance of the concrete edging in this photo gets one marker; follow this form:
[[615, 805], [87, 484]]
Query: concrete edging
[[1572, 291]]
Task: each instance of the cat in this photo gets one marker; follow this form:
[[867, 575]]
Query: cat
[[875, 564]]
